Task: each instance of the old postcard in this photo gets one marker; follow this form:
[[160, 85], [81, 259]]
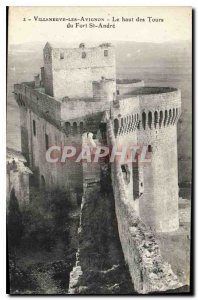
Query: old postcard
[[99, 150]]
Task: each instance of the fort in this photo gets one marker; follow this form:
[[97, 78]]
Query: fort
[[76, 94]]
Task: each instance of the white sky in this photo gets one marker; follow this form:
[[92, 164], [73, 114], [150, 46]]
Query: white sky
[[176, 25]]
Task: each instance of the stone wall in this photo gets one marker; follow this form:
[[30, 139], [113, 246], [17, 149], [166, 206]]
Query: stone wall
[[39, 125], [79, 108], [43, 105], [159, 202], [149, 272], [126, 87], [158, 130], [151, 114], [73, 70], [104, 90], [66, 175], [17, 176]]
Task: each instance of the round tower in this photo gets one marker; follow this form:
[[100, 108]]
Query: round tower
[[160, 110], [104, 90], [126, 86]]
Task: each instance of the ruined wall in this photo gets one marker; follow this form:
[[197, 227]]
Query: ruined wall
[[20, 182], [73, 70], [17, 176], [149, 272]]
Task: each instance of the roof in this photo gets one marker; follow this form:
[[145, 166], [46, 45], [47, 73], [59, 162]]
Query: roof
[[14, 154], [16, 161]]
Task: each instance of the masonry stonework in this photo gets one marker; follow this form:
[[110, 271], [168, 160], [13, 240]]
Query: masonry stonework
[[70, 72], [77, 96]]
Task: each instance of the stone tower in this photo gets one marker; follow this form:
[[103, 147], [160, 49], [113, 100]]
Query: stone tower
[[158, 205], [69, 72]]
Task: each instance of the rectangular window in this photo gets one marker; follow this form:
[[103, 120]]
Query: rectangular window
[[105, 52], [34, 127], [46, 141], [149, 148], [62, 55], [84, 55]]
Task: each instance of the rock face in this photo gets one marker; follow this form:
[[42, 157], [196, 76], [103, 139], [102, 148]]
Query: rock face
[[100, 266]]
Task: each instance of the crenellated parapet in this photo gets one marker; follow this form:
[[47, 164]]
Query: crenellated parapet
[[160, 107], [146, 108], [126, 86], [126, 115], [76, 126], [159, 119], [149, 271], [126, 124]]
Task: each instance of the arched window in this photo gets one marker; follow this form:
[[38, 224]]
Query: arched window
[[149, 148], [144, 120], [81, 127], [68, 128], [150, 119], [155, 118], [160, 119], [116, 126], [75, 131]]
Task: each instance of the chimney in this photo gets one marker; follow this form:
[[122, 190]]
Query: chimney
[[37, 81], [42, 77]]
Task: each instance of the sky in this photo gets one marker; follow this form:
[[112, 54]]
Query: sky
[[176, 25]]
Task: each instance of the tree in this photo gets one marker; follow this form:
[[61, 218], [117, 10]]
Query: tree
[[14, 222]]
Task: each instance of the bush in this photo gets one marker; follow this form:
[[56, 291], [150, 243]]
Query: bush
[[39, 229], [46, 219], [14, 222]]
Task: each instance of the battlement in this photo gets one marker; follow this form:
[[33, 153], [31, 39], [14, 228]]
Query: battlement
[[45, 106], [84, 114], [127, 86], [81, 57], [148, 270], [146, 108]]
